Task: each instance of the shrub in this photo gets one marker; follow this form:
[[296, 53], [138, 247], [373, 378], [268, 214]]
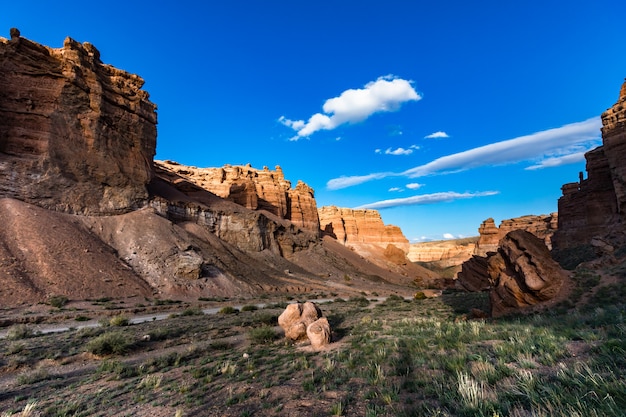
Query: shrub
[[119, 320], [192, 311], [262, 335], [249, 308], [19, 331], [57, 301], [419, 295], [109, 343], [228, 310]]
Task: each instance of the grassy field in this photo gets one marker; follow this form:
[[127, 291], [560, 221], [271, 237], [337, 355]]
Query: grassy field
[[392, 358]]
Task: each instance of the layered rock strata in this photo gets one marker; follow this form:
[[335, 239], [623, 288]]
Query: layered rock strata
[[519, 275], [445, 253], [76, 135], [542, 226], [355, 228], [596, 206], [256, 190]]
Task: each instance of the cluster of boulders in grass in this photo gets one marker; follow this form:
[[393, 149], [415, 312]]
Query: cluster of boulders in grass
[[302, 321]]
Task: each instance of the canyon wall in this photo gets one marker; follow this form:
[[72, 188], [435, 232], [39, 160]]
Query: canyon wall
[[256, 190], [76, 135], [355, 228], [596, 206], [542, 226]]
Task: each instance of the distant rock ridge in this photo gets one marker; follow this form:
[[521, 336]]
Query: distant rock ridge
[[542, 226], [445, 253], [596, 206], [76, 135], [354, 228], [255, 189]]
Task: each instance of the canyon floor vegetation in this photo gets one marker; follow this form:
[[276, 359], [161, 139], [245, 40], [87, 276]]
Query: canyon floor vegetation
[[391, 357]]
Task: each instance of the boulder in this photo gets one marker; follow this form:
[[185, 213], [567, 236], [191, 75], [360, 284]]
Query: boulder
[[319, 333], [296, 318], [523, 274], [542, 226]]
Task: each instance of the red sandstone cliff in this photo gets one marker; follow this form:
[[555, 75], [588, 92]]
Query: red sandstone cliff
[[255, 189], [356, 228], [76, 135], [596, 206]]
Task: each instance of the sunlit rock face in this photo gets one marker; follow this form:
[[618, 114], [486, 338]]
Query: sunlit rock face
[[76, 135], [356, 228], [596, 206], [520, 274], [542, 226], [255, 189]]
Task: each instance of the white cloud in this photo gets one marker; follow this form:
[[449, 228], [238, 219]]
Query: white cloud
[[448, 236], [414, 186], [554, 143], [398, 151], [437, 135], [394, 189], [558, 161], [425, 199], [344, 182], [355, 105]]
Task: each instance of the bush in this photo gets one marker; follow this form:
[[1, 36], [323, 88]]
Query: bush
[[192, 311], [419, 295], [228, 310], [109, 343], [119, 321], [57, 301], [249, 308], [19, 331], [262, 335]]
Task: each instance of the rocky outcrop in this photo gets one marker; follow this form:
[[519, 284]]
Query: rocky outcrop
[[596, 206], [355, 228], [542, 226], [296, 319], [255, 189], [76, 135], [524, 274], [445, 253], [519, 275]]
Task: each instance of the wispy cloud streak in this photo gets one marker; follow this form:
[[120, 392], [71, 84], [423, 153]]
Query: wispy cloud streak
[[554, 146], [425, 199]]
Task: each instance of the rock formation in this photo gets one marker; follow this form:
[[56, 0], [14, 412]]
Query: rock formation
[[296, 319], [445, 253], [596, 206], [256, 190], [542, 226], [76, 135], [319, 333], [354, 228], [519, 275]]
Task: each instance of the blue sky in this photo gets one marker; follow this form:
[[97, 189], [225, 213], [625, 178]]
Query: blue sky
[[438, 114]]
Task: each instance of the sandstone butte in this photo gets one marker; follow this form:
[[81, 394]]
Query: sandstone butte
[[360, 228], [87, 213]]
